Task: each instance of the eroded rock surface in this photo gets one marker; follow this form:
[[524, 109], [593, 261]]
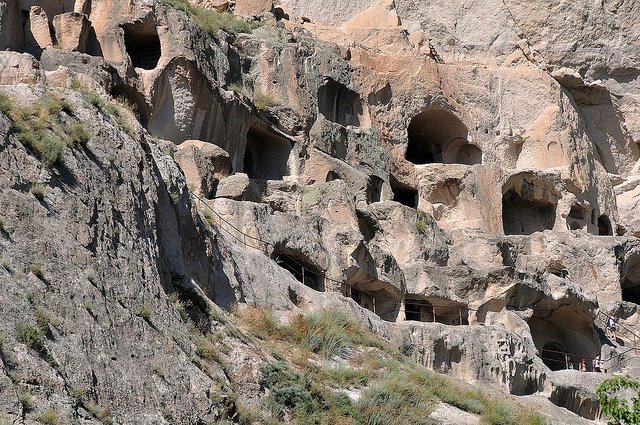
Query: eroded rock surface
[[464, 182]]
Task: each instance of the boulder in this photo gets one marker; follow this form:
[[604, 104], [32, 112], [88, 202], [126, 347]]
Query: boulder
[[204, 165], [72, 31], [37, 31], [253, 7]]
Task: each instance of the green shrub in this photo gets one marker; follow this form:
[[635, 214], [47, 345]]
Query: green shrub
[[212, 21], [342, 377], [6, 105], [613, 405], [288, 389], [76, 85], [31, 336], [99, 412], [423, 221], [44, 320], [38, 190]]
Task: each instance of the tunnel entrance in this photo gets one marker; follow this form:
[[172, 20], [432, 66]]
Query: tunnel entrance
[[528, 205], [403, 193], [142, 44], [341, 105], [438, 136], [267, 155], [552, 354], [604, 226], [302, 269]]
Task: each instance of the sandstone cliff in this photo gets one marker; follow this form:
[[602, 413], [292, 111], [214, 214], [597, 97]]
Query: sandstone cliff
[[460, 178]]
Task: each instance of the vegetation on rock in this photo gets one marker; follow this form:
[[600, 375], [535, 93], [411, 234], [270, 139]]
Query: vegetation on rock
[[212, 21], [611, 393], [323, 357], [46, 126]]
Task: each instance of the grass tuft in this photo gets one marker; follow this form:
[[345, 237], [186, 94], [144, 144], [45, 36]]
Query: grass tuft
[[49, 417], [264, 101], [32, 336], [6, 105], [212, 21], [78, 134]]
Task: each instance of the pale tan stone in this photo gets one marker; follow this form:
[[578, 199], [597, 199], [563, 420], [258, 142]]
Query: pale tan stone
[[72, 31]]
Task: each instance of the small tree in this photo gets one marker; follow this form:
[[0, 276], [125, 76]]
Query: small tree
[[610, 392]]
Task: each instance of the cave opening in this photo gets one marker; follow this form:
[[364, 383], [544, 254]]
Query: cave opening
[[404, 194], [341, 105], [142, 44], [376, 296], [604, 226], [528, 206], [630, 280], [441, 311], [374, 189], [553, 355], [577, 218], [266, 156], [302, 269], [438, 136]]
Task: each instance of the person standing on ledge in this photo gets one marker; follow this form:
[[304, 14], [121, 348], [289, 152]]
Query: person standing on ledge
[[583, 365], [611, 327]]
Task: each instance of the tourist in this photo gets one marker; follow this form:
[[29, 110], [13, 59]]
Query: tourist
[[611, 327], [583, 365], [596, 364]]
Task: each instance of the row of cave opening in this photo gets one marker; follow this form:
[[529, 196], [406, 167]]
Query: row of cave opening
[[386, 303]]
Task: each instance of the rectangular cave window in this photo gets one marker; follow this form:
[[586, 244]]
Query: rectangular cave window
[[363, 299], [303, 271], [143, 45], [266, 155], [441, 311], [404, 194]]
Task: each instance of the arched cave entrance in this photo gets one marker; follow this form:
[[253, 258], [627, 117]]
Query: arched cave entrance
[[630, 280], [143, 44], [552, 354], [341, 105], [577, 218], [302, 269], [604, 226], [266, 155], [528, 205], [404, 194], [438, 136], [563, 334]]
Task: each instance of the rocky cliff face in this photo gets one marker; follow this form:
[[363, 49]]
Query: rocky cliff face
[[463, 178]]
